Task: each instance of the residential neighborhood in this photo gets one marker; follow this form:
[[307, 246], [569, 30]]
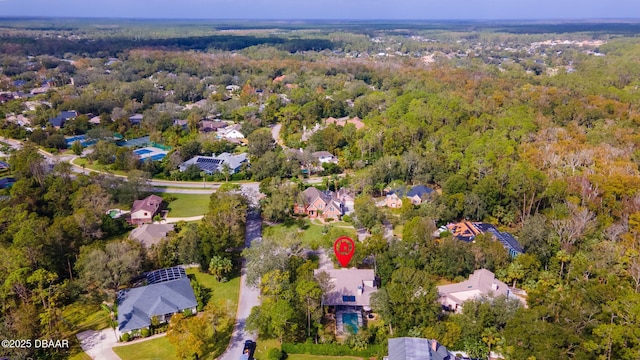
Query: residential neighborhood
[[176, 189]]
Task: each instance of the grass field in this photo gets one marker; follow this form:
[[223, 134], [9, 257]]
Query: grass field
[[313, 235], [86, 317], [187, 205], [264, 345], [95, 166], [227, 291], [83, 317], [156, 349]]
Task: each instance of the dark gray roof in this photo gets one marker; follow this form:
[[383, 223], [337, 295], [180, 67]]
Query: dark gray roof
[[407, 348], [137, 306], [507, 240], [419, 190], [211, 164]]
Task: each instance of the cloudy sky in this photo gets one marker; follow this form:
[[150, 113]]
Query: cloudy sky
[[326, 9]]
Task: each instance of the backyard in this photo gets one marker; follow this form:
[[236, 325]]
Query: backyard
[[187, 205], [311, 235]]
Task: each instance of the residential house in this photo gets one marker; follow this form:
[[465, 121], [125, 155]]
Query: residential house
[[347, 198], [346, 120], [212, 164], [350, 295], [210, 126], [325, 157], [481, 283], [170, 295], [135, 119], [416, 195], [151, 234], [467, 231], [318, 204], [408, 348], [95, 120], [19, 119], [181, 123], [143, 211], [351, 287], [58, 121], [230, 132]]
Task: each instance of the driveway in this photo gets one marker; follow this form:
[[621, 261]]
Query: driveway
[[98, 344], [249, 296]]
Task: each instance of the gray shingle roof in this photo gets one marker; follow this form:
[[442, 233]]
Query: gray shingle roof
[[151, 234], [211, 164], [137, 306], [407, 348]]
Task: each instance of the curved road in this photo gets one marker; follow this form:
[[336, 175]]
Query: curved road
[[249, 296]]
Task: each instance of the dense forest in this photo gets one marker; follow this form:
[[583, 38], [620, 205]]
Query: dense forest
[[539, 139]]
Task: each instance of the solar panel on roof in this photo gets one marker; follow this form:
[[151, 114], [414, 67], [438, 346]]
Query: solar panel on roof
[[168, 274]]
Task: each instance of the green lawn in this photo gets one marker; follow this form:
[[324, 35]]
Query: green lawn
[[264, 345], [156, 349], [228, 291], [96, 166], [187, 205], [80, 356], [313, 236], [85, 317]]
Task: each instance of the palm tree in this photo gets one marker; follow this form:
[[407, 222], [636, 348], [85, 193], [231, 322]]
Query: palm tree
[[219, 266]]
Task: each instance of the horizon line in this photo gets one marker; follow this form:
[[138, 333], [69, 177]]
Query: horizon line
[[89, 17]]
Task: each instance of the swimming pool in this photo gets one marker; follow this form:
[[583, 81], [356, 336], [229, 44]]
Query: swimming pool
[[350, 322]]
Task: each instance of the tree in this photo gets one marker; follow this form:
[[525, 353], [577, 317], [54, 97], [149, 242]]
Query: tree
[[190, 335], [110, 268], [223, 226], [260, 142], [311, 295], [76, 147], [366, 211], [220, 266]]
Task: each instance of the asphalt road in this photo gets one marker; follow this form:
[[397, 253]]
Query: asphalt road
[[249, 296]]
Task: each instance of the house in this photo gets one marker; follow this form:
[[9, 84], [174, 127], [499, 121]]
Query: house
[[319, 204], [325, 157], [212, 164], [135, 119], [347, 198], [351, 287], [169, 295], [408, 348], [467, 231], [143, 211], [4, 166], [95, 120], [416, 195], [58, 121], [151, 234], [19, 119], [350, 295], [209, 126], [394, 198], [346, 120], [230, 132], [481, 283], [180, 123]]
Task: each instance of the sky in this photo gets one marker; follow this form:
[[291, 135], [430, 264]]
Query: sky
[[326, 9]]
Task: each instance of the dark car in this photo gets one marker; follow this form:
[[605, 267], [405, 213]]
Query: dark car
[[249, 349]]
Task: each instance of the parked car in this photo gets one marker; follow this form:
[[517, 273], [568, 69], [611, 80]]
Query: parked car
[[249, 350]]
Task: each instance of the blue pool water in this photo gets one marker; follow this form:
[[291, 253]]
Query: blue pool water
[[156, 157], [350, 322], [142, 151]]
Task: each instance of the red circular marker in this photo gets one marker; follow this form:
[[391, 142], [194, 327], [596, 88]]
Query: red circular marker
[[344, 248]]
